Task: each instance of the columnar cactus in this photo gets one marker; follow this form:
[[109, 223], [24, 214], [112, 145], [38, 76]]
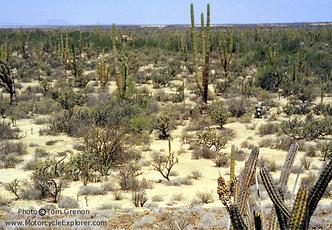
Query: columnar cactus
[[7, 81], [103, 71], [202, 82], [226, 51], [116, 60]]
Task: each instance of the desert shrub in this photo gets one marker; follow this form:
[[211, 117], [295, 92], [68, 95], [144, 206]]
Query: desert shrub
[[39, 153], [46, 106], [205, 197], [127, 177], [310, 151], [9, 153], [164, 122], [139, 198], [108, 186], [40, 121], [117, 194], [266, 143], [310, 129], [269, 128], [211, 139], [90, 190], [180, 181], [140, 123], [326, 150], [6, 132], [266, 78], [198, 124], [219, 114], [4, 202], [67, 202], [294, 107], [238, 107], [157, 198], [204, 153], [68, 98], [268, 164], [221, 160], [305, 162], [196, 174], [323, 109], [164, 164], [177, 197]]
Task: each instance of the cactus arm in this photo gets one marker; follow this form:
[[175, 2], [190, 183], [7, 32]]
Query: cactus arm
[[236, 218], [284, 176], [300, 210], [116, 61], [246, 178], [194, 48], [206, 68], [273, 192], [319, 188], [232, 165]]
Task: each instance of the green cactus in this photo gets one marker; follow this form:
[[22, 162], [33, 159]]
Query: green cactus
[[245, 180], [284, 176], [203, 81], [116, 60], [299, 212], [103, 71], [226, 51], [194, 48]]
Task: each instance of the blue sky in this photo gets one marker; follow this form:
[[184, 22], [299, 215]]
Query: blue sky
[[39, 12]]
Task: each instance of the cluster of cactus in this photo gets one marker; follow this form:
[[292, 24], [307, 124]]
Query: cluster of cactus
[[7, 81], [103, 71], [5, 52], [63, 52], [120, 78], [226, 51], [203, 81], [234, 196]]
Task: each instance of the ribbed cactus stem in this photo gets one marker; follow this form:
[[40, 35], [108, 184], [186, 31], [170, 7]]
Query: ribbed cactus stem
[[232, 164], [194, 48], [206, 68], [116, 61], [299, 212], [246, 178], [273, 192]]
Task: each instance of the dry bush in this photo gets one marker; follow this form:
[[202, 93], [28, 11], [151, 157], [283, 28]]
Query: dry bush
[[40, 153], [211, 139], [157, 198], [196, 174], [268, 164], [67, 202], [305, 162], [90, 190], [204, 153], [222, 160], [180, 181], [117, 194], [266, 143], [310, 151], [164, 164], [127, 176], [177, 197], [139, 198], [205, 197], [267, 129]]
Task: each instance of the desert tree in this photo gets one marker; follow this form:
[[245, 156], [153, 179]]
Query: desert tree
[[7, 81]]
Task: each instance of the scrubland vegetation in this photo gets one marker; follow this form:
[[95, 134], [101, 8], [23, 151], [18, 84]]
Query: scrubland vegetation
[[123, 120]]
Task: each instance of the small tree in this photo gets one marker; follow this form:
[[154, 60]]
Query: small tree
[[7, 81], [219, 114], [211, 139], [13, 187], [164, 122], [105, 148], [164, 164]]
